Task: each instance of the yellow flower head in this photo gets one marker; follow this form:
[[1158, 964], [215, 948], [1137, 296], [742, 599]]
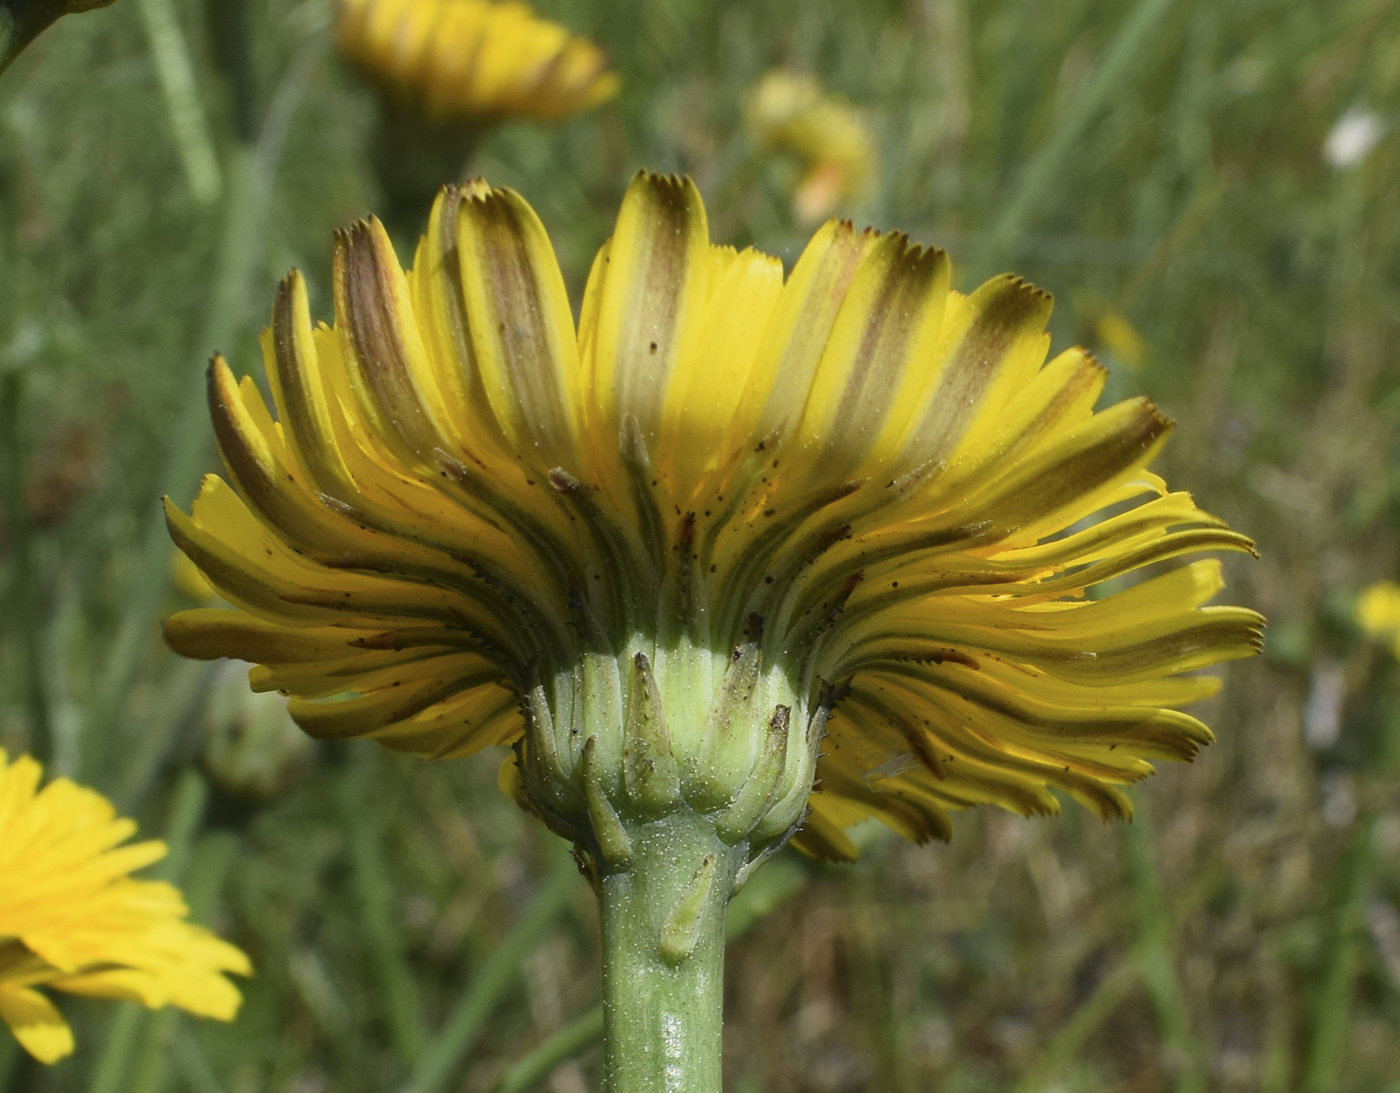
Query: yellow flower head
[[731, 516], [1378, 613], [473, 59], [789, 112], [72, 918]]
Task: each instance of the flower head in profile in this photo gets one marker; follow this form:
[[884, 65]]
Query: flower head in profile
[[790, 112], [473, 59], [73, 919], [736, 532]]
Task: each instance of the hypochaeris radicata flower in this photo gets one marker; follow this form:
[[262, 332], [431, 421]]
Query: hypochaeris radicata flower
[[73, 919], [737, 536]]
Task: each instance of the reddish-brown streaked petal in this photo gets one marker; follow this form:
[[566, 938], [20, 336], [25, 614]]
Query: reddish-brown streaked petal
[[1154, 629], [252, 569], [370, 539], [207, 633], [438, 303], [650, 304], [993, 342], [984, 749], [1058, 398], [879, 361], [964, 765], [488, 716], [299, 391], [797, 335], [1066, 479], [361, 671], [382, 346], [957, 699], [520, 325], [421, 520], [440, 711]]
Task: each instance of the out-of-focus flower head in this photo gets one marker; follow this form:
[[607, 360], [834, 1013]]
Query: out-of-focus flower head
[[1378, 613], [790, 112], [1107, 330], [1352, 138], [473, 59], [733, 530], [21, 21], [1120, 338], [73, 919], [251, 748]]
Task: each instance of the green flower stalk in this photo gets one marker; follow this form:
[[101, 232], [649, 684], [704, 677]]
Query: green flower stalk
[[741, 559]]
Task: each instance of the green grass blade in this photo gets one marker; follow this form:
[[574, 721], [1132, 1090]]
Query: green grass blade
[[579, 1034], [438, 1066], [1332, 997], [182, 103], [1113, 70], [374, 892]]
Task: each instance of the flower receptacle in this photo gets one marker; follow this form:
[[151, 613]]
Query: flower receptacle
[[615, 745]]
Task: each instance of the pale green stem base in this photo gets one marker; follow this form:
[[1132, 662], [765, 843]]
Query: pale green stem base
[[663, 957]]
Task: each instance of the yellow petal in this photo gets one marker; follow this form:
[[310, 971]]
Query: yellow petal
[[651, 302], [382, 344], [520, 324], [37, 1025], [880, 360], [712, 378]]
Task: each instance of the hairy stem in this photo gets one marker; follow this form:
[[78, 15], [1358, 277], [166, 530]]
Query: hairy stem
[[663, 957]]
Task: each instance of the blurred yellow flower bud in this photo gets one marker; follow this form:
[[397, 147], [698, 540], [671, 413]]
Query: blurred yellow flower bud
[[472, 59], [252, 749], [1121, 339]]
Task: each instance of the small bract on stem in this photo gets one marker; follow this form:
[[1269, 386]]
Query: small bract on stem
[[743, 558]]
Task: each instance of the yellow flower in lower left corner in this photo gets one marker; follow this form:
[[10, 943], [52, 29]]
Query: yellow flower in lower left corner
[[73, 919]]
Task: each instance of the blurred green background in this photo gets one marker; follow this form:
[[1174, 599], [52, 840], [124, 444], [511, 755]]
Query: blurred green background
[[1162, 166]]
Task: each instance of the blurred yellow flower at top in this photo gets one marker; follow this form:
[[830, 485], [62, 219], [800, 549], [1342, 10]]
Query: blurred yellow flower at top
[[789, 112], [1378, 613], [473, 58], [72, 918]]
